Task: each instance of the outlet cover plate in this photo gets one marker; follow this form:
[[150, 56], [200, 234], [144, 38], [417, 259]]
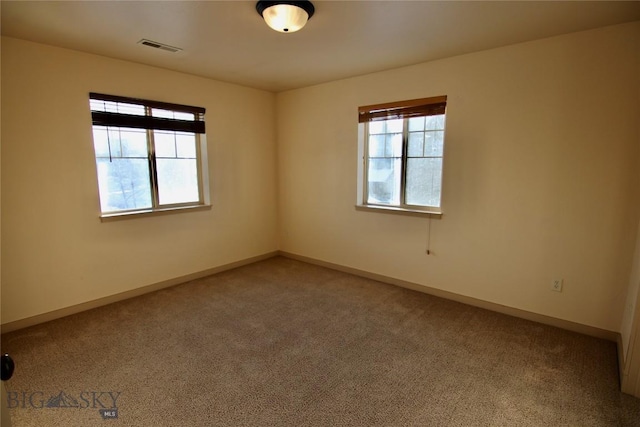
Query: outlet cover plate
[[556, 285]]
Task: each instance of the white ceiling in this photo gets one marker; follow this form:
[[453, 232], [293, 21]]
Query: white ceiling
[[229, 41]]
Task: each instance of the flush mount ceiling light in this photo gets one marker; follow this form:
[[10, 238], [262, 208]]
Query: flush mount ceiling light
[[285, 16]]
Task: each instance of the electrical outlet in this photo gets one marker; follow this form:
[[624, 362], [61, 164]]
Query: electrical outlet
[[556, 285]]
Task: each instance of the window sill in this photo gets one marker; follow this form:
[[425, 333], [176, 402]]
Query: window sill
[[117, 216], [398, 211]]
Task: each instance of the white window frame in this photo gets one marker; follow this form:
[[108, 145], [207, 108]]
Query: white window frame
[[99, 121], [396, 110]]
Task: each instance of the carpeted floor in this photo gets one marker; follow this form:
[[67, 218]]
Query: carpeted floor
[[284, 343]]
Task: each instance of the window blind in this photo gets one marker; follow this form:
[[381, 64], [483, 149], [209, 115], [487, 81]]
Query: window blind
[[130, 119], [403, 109]]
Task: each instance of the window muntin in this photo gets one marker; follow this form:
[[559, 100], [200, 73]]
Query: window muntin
[[148, 154], [403, 154]]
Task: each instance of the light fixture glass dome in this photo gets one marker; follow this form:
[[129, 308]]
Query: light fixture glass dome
[[285, 16]]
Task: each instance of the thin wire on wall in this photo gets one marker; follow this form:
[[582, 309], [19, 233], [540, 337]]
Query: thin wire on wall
[[429, 236]]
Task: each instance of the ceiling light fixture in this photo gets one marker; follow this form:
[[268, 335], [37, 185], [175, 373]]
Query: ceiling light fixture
[[285, 16]]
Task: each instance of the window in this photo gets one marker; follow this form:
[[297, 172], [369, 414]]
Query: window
[[149, 154], [403, 154]]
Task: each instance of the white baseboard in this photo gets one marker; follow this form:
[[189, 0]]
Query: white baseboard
[[620, 347], [515, 312], [56, 314], [523, 314], [540, 318]]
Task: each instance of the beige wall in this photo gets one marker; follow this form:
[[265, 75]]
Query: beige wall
[[55, 251], [540, 175], [540, 180]]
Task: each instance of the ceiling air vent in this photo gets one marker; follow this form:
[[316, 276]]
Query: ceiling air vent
[[157, 45]]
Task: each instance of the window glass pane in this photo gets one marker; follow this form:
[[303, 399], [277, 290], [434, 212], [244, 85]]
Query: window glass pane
[[416, 144], [384, 181], [376, 127], [165, 143], [123, 108], [435, 122], [395, 125], [168, 114], [416, 124], [114, 142], [96, 105], [184, 116], [113, 139], [156, 112], [394, 145], [107, 141], [186, 145], [100, 141], [177, 181], [133, 109], [376, 146], [116, 107], [133, 142], [111, 107], [434, 143], [423, 181], [123, 184]]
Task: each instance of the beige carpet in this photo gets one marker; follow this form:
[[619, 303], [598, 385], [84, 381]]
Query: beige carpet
[[284, 343]]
